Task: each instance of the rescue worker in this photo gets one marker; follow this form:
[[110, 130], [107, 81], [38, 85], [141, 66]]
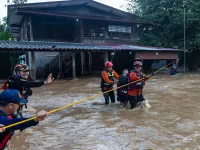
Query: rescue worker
[[108, 77], [173, 69], [122, 92], [135, 90], [20, 82], [10, 101]]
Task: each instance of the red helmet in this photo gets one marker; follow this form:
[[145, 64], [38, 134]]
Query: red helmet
[[108, 64], [137, 63]]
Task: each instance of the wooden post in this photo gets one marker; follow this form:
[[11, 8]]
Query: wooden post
[[31, 29], [25, 26], [33, 65], [83, 62], [105, 57], [74, 64], [32, 53], [132, 32], [27, 59], [90, 62], [81, 30], [60, 64], [24, 35]]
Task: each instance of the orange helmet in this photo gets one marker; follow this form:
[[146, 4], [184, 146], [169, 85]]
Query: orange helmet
[[108, 64]]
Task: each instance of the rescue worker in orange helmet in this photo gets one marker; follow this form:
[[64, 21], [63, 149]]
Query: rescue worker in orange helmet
[[135, 90], [108, 77]]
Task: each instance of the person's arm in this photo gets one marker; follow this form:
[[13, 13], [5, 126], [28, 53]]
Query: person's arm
[[39, 83], [7, 121], [35, 84], [134, 77], [106, 79], [19, 84], [41, 115], [147, 77], [116, 75]]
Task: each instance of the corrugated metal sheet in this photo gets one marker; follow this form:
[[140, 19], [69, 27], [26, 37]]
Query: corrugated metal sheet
[[65, 46], [55, 46]]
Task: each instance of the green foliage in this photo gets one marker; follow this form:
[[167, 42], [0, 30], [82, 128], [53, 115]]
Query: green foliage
[[168, 18], [4, 34]]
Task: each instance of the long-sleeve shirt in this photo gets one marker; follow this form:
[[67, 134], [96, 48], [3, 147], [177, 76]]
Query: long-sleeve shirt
[[22, 85], [8, 121], [18, 84], [106, 78]]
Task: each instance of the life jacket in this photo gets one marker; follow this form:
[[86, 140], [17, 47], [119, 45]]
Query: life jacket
[[136, 85], [122, 81], [7, 86], [8, 82], [110, 77], [5, 137]]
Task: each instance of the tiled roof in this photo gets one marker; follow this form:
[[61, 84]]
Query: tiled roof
[[65, 46]]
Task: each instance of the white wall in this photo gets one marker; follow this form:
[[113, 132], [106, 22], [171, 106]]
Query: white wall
[[43, 58]]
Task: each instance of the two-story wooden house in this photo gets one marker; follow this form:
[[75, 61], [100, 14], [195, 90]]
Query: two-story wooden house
[[110, 33]]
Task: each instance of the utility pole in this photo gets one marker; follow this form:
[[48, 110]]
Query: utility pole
[[184, 42]]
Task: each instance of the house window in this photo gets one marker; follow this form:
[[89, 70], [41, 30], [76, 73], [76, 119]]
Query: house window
[[119, 32], [94, 31]]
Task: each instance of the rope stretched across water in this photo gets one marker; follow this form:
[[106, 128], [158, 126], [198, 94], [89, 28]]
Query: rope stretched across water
[[85, 99]]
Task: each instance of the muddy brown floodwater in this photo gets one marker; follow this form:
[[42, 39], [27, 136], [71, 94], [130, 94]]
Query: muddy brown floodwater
[[172, 122]]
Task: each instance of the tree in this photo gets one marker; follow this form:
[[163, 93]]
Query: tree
[[167, 31], [4, 34]]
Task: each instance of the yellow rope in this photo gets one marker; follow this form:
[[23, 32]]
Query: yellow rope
[[85, 99]]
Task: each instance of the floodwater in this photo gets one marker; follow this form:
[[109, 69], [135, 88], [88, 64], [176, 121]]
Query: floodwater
[[171, 123]]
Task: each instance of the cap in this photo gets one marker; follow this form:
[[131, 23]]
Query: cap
[[12, 96]]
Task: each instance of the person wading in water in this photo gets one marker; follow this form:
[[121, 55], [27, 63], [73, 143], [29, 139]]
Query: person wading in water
[[135, 90], [108, 77]]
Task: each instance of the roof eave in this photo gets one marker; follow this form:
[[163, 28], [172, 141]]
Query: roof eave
[[24, 12]]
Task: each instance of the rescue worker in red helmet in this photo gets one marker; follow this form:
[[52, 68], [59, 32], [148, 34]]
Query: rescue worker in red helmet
[[135, 90], [20, 81], [108, 77]]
